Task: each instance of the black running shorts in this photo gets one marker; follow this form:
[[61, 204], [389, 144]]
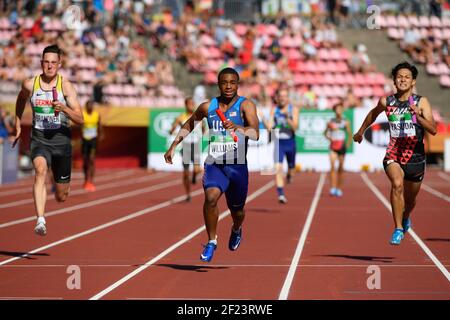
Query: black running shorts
[[89, 147], [414, 172], [58, 157]]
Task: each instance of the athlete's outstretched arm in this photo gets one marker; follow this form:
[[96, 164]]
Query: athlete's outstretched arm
[[349, 134], [73, 107], [293, 123], [270, 123], [251, 129], [100, 130], [188, 126], [424, 116], [326, 133], [370, 118], [175, 124], [21, 102]]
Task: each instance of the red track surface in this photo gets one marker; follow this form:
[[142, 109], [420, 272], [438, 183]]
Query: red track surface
[[345, 236]]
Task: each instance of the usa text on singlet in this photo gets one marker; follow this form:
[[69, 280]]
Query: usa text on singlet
[[222, 148]]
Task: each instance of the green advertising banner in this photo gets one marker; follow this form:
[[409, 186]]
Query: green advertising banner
[[309, 136], [312, 124], [161, 120], [159, 137]]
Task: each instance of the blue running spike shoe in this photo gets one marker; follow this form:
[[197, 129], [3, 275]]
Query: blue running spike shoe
[[339, 193], [208, 252], [333, 191], [397, 237], [406, 224], [235, 239]]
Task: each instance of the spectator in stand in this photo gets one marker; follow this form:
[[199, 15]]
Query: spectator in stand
[[220, 32], [360, 61], [308, 48], [444, 52], [344, 13], [330, 36], [331, 11], [228, 49], [199, 94], [423, 53], [4, 132], [246, 54], [350, 100], [275, 49], [410, 41], [164, 72], [309, 99], [322, 103], [325, 34], [436, 8]]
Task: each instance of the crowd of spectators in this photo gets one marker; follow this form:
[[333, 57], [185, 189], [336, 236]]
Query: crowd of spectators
[[107, 50], [271, 53], [6, 125], [423, 33], [104, 49]]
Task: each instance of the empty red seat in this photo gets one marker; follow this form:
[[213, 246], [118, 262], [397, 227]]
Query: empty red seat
[[442, 68], [339, 79], [240, 29], [435, 22], [272, 30], [378, 91], [403, 22], [432, 69], [210, 77], [380, 20], [424, 21], [445, 81], [294, 54], [391, 21], [413, 21]]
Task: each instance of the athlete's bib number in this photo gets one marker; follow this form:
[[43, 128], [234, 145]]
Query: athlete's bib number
[[218, 149], [89, 133], [402, 128], [43, 121], [283, 133], [338, 135]]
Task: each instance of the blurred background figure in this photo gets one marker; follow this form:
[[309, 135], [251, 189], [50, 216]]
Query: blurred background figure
[[91, 134]]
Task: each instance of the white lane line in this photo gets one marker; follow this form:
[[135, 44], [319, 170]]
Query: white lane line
[[174, 247], [31, 298], [105, 225], [419, 241], [435, 192], [212, 299], [82, 191], [223, 265], [284, 293], [444, 176], [400, 292], [95, 202], [102, 178]]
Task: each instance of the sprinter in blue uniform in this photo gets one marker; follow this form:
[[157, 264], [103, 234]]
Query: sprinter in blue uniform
[[225, 168], [284, 119]]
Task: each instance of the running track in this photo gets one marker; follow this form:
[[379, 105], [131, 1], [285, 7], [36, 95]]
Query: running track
[[135, 238]]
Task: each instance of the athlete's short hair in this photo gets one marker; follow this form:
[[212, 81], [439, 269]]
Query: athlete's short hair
[[53, 49], [337, 105], [405, 65], [227, 70], [282, 87], [187, 99]]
